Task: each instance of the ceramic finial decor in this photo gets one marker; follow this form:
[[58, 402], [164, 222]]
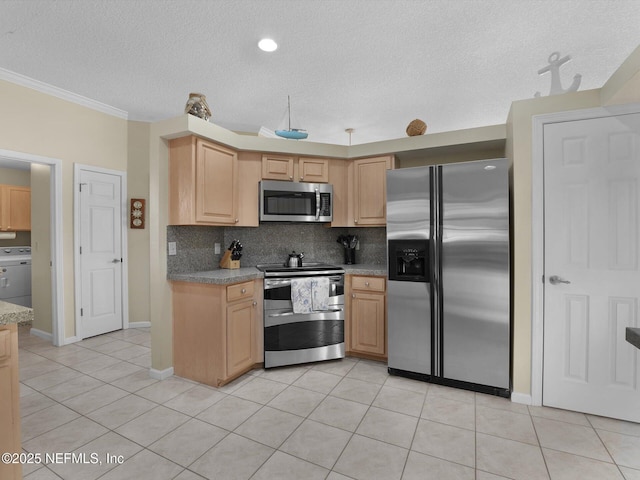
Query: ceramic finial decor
[[555, 62], [197, 106]]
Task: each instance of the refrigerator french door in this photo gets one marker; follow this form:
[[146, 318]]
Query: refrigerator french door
[[448, 259]]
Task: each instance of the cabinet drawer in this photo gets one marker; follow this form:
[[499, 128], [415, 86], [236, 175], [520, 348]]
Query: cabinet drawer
[[370, 284], [239, 291], [5, 344]]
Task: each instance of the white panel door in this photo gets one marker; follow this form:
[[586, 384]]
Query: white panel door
[[592, 279], [101, 252]]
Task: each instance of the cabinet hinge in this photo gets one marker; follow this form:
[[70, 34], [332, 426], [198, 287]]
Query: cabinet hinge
[[80, 250], [81, 312]]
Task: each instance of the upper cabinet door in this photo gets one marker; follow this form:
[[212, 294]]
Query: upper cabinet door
[[277, 167], [313, 170], [15, 208], [216, 184], [369, 190]]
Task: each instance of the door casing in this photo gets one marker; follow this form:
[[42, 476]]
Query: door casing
[[537, 229]]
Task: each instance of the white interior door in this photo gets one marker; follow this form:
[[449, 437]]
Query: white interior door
[[592, 280], [101, 269]]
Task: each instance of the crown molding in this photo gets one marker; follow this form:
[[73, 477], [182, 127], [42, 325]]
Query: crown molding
[[42, 87]]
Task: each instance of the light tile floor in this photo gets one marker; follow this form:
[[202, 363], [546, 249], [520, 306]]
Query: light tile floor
[[332, 420]]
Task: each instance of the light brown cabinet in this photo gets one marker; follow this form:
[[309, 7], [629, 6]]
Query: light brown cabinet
[[9, 400], [314, 170], [15, 208], [217, 330], [367, 316], [277, 167], [370, 190], [360, 191], [203, 183], [291, 168]]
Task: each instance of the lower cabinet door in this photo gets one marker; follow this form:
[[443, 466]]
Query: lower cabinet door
[[10, 441], [368, 329], [241, 321]]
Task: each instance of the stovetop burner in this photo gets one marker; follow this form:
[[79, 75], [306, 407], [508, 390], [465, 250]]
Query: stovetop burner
[[308, 269]]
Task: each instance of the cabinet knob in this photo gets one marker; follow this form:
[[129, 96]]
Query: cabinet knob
[[366, 284], [290, 177], [236, 220], [355, 220], [353, 295], [244, 290], [255, 303], [301, 178]]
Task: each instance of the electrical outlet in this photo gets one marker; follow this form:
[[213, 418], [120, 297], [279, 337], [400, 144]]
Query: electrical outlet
[[216, 248], [172, 248]]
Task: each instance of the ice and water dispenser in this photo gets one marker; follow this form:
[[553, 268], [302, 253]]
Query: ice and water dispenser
[[409, 260]]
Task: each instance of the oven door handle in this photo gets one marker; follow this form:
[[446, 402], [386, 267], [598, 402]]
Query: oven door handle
[[317, 204], [268, 284], [286, 314]]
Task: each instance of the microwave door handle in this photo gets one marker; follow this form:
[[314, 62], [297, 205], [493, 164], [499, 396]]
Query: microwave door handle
[[317, 204]]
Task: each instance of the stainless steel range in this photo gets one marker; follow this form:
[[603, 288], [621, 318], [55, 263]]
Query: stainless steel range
[[291, 337]]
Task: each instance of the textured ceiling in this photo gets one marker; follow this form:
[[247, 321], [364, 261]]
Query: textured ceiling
[[370, 65]]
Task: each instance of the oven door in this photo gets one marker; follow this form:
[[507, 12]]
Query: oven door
[[277, 293], [284, 330], [293, 338]]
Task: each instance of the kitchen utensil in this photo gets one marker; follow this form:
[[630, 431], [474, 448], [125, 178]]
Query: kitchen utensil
[[295, 259]]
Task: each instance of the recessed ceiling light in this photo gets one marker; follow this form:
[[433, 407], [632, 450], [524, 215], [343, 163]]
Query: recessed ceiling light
[[267, 45]]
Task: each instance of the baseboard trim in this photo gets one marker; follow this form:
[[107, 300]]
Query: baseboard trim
[[161, 374], [41, 334], [139, 324], [70, 340], [523, 398]]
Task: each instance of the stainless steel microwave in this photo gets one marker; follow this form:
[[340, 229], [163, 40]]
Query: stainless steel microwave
[[295, 202]]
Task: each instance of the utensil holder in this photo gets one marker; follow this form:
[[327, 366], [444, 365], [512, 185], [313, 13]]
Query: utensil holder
[[226, 262], [349, 256]]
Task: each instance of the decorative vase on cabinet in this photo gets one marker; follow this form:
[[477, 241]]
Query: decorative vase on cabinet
[[197, 106]]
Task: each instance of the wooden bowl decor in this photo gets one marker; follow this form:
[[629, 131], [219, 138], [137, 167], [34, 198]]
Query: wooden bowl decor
[[416, 127]]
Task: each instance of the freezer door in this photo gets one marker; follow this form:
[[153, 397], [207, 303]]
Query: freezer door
[[474, 252], [409, 219], [408, 203], [409, 326]]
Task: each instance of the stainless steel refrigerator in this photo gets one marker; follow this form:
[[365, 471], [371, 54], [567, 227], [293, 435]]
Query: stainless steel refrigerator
[[448, 259]]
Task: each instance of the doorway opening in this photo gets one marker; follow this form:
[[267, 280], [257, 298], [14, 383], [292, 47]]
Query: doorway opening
[[8, 157]]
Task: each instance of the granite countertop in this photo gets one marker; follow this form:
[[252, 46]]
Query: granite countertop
[[365, 269], [633, 336], [12, 313], [223, 276]]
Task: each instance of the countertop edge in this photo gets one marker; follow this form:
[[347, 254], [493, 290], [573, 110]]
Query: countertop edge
[[229, 276], [11, 313], [218, 277]]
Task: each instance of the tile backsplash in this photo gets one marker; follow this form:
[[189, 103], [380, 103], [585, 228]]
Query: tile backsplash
[[270, 243]]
